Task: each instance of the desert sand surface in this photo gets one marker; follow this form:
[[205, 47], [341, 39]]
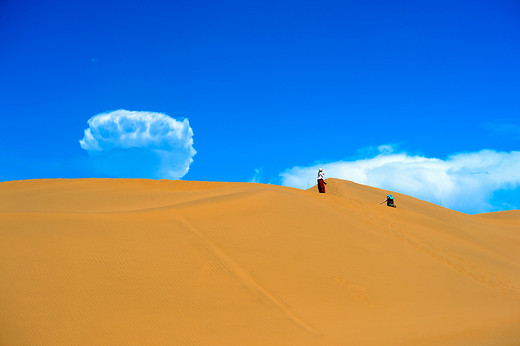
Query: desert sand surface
[[144, 262]]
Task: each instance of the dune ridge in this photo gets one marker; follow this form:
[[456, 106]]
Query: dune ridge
[[129, 261]]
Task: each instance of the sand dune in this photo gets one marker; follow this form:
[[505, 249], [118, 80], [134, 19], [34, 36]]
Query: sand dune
[[104, 262]]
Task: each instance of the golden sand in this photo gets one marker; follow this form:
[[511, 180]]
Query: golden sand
[[106, 262]]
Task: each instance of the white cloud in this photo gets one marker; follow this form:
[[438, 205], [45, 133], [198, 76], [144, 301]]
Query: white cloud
[[464, 181], [257, 176], [139, 144]]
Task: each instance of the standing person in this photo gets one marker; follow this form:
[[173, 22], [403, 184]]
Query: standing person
[[321, 181]]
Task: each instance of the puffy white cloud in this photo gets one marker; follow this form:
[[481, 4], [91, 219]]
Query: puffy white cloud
[[135, 144], [465, 181]]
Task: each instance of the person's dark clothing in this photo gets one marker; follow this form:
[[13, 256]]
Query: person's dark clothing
[[321, 186]]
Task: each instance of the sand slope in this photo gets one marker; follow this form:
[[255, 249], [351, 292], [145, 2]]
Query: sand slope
[[99, 261]]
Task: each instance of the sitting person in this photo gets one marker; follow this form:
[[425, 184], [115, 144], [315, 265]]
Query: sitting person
[[389, 201]]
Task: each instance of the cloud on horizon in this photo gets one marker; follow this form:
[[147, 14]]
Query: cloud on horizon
[[465, 182], [257, 177], [132, 144]]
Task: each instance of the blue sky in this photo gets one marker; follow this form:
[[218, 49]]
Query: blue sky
[[270, 90]]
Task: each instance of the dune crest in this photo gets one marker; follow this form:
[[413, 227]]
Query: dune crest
[[102, 261]]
